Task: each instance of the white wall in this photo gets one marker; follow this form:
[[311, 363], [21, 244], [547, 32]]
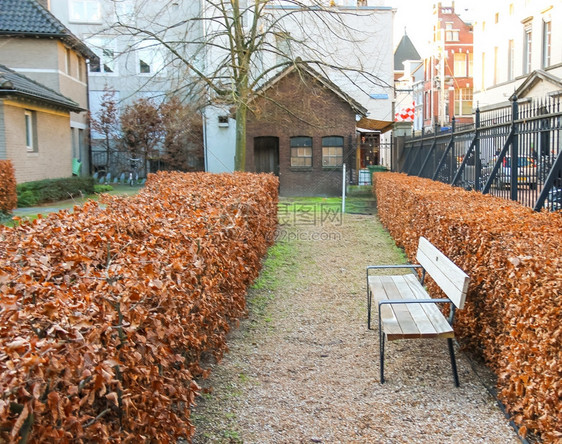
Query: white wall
[[510, 25], [126, 77], [220, 141]]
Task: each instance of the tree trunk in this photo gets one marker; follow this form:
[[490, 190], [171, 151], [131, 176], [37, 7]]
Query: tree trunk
[[240, 156]]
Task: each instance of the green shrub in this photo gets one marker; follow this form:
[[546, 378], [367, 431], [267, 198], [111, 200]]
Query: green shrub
[[27, 199], [52, 190], [102, 188]]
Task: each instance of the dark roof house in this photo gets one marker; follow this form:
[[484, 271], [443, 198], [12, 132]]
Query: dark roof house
[[43, 92], [26, 18], [17, 85], [302, 127]]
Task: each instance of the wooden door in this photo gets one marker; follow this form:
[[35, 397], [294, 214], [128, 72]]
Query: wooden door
[[266, 155]]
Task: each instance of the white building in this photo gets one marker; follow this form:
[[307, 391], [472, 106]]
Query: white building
[[517, 49]]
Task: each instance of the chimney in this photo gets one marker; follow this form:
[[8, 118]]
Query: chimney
[[45, 3]]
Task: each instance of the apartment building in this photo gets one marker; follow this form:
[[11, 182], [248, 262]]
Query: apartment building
[[448, 72], [518, 51], [129, 38]]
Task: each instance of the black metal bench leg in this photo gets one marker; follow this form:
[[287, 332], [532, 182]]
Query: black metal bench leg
[[368, 309], [381, 339], [453, 361]]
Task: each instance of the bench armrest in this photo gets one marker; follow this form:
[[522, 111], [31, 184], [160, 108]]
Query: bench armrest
[[382, 267], [419, 301], [412, 267], [414, 301]]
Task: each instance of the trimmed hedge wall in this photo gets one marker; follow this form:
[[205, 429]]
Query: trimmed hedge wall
[[513, 315], [105, 314], [8, 195], [52, 190]]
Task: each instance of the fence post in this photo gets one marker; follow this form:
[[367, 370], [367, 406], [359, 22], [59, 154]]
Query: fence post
[[477, 160], [514, 151], [446, 152]]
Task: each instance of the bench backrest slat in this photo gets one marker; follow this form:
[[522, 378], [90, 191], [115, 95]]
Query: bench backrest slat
[[452, 280]]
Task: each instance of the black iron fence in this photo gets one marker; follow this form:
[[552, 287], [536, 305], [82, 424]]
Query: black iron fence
[[514, 153]]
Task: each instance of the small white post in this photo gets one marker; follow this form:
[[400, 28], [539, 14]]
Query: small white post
[[343, 191]]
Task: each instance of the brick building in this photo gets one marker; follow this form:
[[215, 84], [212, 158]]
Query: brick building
[[303, 128], [448, 87], [38, 46], [34, 127]]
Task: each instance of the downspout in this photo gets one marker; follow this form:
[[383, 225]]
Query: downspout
[[87, 67], [205, 148]]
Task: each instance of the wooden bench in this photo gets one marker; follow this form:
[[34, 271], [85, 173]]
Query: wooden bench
[[405, 308]]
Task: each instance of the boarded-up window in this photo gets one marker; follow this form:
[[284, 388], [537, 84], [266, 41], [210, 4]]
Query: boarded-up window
[[301, 151]]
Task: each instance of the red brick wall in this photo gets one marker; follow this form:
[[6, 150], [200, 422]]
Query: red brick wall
[[297, 105]]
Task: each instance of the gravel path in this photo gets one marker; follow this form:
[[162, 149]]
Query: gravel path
[[303, 368]]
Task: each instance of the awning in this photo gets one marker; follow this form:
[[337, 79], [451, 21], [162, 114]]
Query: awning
[[374, 125]]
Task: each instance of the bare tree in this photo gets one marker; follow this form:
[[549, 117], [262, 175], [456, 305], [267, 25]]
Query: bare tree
[[183, 136], [142, 131], [231, 47], [106, 124]]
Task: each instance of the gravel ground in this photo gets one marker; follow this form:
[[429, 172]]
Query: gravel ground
[[303, 368]]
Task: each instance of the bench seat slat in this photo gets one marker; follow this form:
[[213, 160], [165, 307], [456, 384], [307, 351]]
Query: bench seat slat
[[408, 287], [387, 315], [432, 311], [407, 321]]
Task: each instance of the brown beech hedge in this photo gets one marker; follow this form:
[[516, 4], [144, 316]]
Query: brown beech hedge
[[106, 313], [8, 193], [513, 316]]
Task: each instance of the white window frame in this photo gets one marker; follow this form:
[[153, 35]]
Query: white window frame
[[84, 11], [67, 61], [510, 60], [460, 67], [546, 43], [451, 35], [527, 49], [30, 142], [463, 96], [152, 54], [104, 47]]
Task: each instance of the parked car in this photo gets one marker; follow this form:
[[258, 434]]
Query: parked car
[[554, 199], [526, 172]]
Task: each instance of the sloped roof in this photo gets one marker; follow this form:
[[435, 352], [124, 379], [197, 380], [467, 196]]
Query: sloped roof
[[405, 51], [26, 18], [323, 80], [535, 77], [12, 83]]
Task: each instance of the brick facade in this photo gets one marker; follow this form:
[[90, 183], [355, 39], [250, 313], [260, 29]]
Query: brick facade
[[297, 105], [52, 158]]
